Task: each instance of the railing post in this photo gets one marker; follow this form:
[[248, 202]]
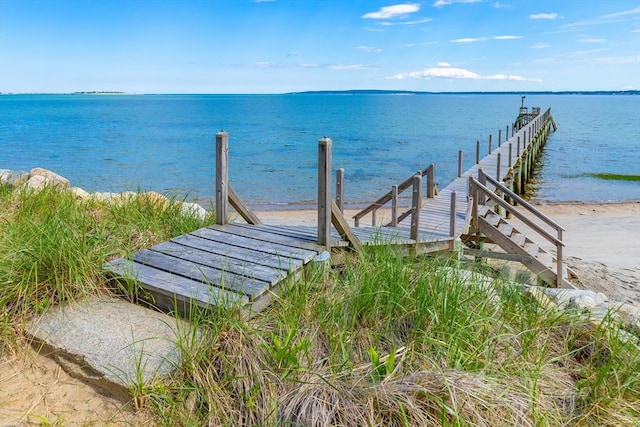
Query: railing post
[[324, 192], [499, 137], [415, 206], [518, 151], [394, 206], [477, 152], [452, 215], [506, 133], [431, 181], [459, 163], [524, 140], [498, 168], [482, 180], [490, 138], [510, 154], [559, 269], [222, 177], [473, 193], [340, 189], [373, 217]]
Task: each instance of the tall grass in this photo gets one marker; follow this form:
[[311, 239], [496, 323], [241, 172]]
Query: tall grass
[[383, 341], [53, 245], [397, 342]]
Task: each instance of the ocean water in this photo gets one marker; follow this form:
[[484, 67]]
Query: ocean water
[[166, 143]]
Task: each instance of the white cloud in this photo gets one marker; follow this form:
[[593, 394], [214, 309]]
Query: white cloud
[[450, 72], [348, 67], [605, 19], [441, 3], [636, 31], [369, 49], [444, 64], [468, 40], [498, 5], [506, 37], [309, 65], [540, 46], [586, 39], [550, 16], [421, 21], [395, 11]]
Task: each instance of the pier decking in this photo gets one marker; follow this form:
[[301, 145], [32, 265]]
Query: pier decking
[[246, 264]]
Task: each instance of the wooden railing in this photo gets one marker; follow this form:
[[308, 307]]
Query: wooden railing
[[479, 193], [392, 196]]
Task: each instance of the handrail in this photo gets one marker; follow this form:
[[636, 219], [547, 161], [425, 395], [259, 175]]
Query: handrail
[[516, 213], [407, 183], [521, 201], [476, 186]]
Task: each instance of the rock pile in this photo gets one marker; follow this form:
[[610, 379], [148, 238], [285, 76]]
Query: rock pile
[[595, 304], [39, 178]]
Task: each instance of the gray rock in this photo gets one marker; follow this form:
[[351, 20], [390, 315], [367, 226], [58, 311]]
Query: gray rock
[[40, 177], [13, 178], [193, 210], [110, 343]]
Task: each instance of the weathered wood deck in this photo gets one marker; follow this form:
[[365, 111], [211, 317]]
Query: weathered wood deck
[[240, 264], [244, 265]]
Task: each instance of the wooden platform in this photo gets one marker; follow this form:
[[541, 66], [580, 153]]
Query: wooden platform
[[245, 265], [240, 264]]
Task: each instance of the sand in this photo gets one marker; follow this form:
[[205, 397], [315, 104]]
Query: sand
[[602, 246]]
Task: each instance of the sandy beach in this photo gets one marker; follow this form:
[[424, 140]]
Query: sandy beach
[[602, 241]]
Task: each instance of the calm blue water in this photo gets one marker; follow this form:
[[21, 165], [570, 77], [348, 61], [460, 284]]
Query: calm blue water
[[167, 142]]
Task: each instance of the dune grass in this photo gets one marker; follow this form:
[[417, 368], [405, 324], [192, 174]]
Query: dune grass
[[53, 245], [385, 340]]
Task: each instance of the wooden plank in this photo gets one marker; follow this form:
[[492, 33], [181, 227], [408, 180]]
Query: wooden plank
[[265, 235], [247, 243], [241, 207], [198, 272], [306, 233], [343, 228], [524, 259], [171, 285], [238, 253], [245, 268]]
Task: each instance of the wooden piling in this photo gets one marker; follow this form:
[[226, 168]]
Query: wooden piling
[[416, 202], [324, 193], [222, 178], [340, 189]]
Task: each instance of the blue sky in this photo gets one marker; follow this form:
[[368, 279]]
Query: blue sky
[[251, 46]]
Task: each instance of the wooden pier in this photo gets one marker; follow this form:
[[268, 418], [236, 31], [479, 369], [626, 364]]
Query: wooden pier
[[246, 264]]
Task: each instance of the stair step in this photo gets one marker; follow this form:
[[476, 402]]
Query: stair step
[[493, 218], [505, 228], [518, 238], [547, 259], [531, 248]]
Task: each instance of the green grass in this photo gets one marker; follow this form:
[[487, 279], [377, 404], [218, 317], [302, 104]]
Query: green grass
[[390, 341]]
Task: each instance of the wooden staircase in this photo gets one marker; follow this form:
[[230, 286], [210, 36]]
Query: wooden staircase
[[541, 262], [487, 225]]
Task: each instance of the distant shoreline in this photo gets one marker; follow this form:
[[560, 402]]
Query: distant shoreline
[[346, 92]]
